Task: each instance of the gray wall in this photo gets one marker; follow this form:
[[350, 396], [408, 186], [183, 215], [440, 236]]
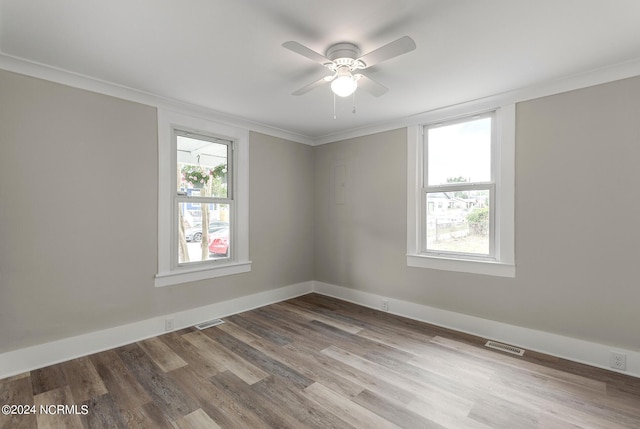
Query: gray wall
[[78, 218], [78, 215], [577, 212]]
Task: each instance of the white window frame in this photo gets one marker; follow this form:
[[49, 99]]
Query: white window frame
[[169, 271], [178, 198], [502, 259]]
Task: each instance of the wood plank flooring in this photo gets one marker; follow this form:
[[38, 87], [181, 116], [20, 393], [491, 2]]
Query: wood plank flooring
[[317, 362]]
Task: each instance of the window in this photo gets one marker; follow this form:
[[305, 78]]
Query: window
[[202, 200], [460, 215], [459, 188]]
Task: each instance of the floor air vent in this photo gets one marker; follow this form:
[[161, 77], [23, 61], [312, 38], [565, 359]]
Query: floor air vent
[[209, 324], [505, 348]]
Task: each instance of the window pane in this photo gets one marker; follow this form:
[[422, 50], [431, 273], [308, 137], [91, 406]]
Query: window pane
[[202, 167], [195, 243], [458, 221], [459, 152]]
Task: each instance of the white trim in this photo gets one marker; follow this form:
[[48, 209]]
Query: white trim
[[488, 268], [76, 80], [506, 177], [166, 275], [191, 275], [573, 349], [42, 355], [504, 213], [39, 356], [569, 83], [414, 186]]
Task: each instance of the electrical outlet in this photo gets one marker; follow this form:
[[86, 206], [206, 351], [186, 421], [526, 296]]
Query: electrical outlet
[[618, 361], [385, 305], [169, 324]]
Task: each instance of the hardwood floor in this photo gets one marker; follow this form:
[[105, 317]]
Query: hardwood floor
[[317, 362]]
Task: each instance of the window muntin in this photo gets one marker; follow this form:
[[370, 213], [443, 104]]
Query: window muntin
[[204, 196], [459, 188]]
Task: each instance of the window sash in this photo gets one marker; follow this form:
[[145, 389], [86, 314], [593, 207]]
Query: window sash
[[178, 197], [175, 237], [494, 146], [461, 187], [504, 209], [230, 143], [203, 200], [491, 188], [168, 273]]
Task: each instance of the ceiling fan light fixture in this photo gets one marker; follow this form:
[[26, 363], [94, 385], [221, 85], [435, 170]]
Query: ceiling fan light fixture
[[344, 59], [344, 84]]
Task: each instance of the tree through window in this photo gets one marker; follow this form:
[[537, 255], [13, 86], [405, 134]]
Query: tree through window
[[204, 197]]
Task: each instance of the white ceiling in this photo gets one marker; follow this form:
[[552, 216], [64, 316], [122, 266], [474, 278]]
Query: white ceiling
[[226, 55]]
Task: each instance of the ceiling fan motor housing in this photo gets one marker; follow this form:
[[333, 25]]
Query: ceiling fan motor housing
[[345, 54], [343, 50]]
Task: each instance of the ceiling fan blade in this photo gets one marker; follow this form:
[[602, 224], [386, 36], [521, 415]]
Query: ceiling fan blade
[[401, 46], [306, 52], [311, 86], [371, 86]]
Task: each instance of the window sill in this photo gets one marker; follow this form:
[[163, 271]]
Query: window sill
[[185, 275], [488, 268]]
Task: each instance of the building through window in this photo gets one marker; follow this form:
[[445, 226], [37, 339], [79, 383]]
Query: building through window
[[460, 204]]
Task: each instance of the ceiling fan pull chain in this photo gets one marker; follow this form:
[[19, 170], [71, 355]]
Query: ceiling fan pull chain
[[354, 104], [334, 106]]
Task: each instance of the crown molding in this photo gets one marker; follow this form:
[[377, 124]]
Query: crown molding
[[568, 83], [573, 82], [76, 80]]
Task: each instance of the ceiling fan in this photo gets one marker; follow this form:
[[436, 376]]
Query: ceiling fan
[[345, 62]]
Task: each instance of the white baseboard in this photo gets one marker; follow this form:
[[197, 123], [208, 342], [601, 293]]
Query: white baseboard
[[42, 355], [586, 352]]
